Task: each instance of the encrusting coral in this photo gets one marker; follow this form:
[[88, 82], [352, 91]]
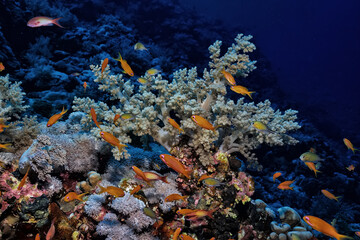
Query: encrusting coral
[[186, 95]]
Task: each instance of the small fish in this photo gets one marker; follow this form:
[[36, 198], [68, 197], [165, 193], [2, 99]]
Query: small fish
[[75, 74], [108, 137], [276, 175], [85, 85], [186, 237], [104, 64], [184, 211], [149, 212], [176, 234], [357, 233], [310, 157], [2, 67], [175, 164], [23, 180], [94, 117], [152, 176], [200, 214], [175, 197], [127, 116], [54, 118], [212, 182], [286, 185], [351, 168], [5, 146], [241, 90], [116, 117], [71, 196], [329, 195], [125, 66], [114, 191], [136, 189], [139, 46], [295, 237], [312, 167], [205, 176], [213, 238], [228, 77], [141, 174], [37, 237], [349, 145], [42, 21], [51, 233], [202, 122], [262, 127], [142, 80], [320, 225], [152, 71], [175, 124]]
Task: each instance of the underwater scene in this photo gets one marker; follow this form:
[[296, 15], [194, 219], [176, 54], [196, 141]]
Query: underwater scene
[[179, 120]]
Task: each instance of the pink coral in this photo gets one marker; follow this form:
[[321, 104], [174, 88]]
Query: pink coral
[[245, 186]]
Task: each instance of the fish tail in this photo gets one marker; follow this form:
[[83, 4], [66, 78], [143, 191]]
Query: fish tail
[[121, 146], [6, 145], [63, 111], [80, 197], [102, 189], [209, 213], [249, 94], [56, 22], [337, 198], [164, 179], [340, 237], [291, 188]]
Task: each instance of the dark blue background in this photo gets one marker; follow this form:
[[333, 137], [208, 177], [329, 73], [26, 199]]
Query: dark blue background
[[314, 49]]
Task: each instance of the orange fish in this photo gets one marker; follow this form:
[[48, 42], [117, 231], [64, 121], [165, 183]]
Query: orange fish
[[54, 118], [112, 140], [125, 66], [200, 214], [175, 164], [23, 180], [5, 146], [330, 195], [184, 211], [42, 21], [312, 167], [117, 116], [175, 197], [176, 234], [202, 122], [349, 145], [115, 191], [51, 233], [213, 238], [228, 77], [276, 175], [37, 237], [2, 67], [205, 176], [85, 85], [351, 168], [136, 189], [151, 176], [71, 196], [104, 64], [141, 174], [357, 234], [186, 237], [175, 124], [286, 185], [94, 117], [242, 90], [324, 227]]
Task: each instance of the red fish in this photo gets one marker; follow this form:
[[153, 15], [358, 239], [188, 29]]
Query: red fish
[[141, 174], [2, 67], [202, 122], [276, 175], [176, 234], [85, 85], [152, 176], [329, 195], [54, 118], [228, 77], [23, 180], [43, 21], [205, 176], [312, 167], [286, 185], [117, 116], [71, 196], [175, 124], [108, 137], [104, 64], [324, 227], [37, 237], [186, 237], [200, 214], [51, 233], [115, 191], [175, 197], [349, 145], [125, 66], [175, 164], [136, 189], [94, 117]]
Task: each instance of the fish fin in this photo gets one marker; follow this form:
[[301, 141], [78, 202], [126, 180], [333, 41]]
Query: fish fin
[[209, 213], [6, 146], [102, 189], [119, 58], [121, 146], [340, 237], [337, 198], [63, 111], [56, 22], [164, 179], [249, 94]]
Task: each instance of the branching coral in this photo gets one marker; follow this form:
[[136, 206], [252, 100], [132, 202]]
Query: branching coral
[[186, 95]]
